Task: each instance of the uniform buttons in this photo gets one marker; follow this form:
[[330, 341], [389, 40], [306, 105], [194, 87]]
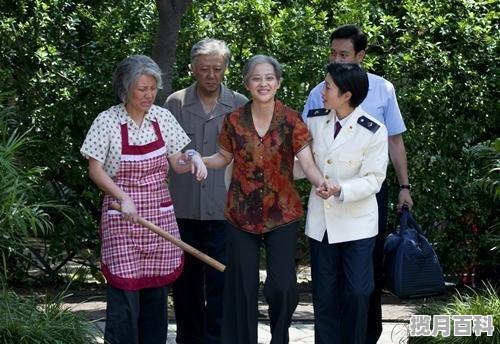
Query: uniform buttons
[[327, 206], [205, 142], [327, 177], [328, 161], [203, 186]]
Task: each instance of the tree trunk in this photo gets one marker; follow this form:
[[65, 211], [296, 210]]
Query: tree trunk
[[170, 14]]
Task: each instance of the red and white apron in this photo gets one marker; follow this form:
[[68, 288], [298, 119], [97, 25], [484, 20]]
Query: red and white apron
[[132, 257]]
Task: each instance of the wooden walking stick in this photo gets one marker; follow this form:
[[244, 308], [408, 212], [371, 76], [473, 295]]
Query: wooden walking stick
[[177, 242]]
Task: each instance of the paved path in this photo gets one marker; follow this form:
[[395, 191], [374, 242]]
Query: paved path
[[304, 333], [396, 314]]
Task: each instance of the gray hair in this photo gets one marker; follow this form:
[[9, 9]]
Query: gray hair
[[259, 59], [210, 46], [129, 70]]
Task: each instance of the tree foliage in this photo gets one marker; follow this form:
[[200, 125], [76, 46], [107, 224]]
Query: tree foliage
[[57, 58]]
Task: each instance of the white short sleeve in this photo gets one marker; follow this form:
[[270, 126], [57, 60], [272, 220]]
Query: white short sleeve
[[97, 141]]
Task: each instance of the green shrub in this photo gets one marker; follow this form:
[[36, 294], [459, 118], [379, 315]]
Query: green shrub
[[485, 302], [27, 321], [24, 211]]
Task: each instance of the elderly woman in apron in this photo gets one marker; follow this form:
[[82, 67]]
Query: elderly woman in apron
[[130, 147]]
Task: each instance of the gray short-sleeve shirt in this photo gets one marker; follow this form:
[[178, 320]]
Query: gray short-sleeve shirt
[[203, 200]]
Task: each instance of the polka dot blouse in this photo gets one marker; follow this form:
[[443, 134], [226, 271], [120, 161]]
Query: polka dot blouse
[[103, 141]]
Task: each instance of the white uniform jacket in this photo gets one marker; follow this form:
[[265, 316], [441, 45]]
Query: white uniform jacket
[[357, 161]]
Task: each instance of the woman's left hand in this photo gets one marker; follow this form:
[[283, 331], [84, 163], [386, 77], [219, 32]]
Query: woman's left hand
[[326, 190]]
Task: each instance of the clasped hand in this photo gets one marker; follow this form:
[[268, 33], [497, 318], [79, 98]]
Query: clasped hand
[[326, 190]]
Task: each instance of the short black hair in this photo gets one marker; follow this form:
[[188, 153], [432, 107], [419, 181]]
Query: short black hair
[[350, 77], [352, 32]]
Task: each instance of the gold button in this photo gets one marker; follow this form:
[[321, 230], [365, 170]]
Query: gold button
[[329, 161], [327, 206]]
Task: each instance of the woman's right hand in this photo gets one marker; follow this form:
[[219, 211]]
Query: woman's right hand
[[129, 211]]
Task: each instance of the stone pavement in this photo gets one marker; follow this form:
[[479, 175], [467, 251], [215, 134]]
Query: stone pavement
[[396, 314]]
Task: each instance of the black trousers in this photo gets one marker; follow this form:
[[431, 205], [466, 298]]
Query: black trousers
[[342, 279], [198, 293], [374, 329], [136, 317], [240, 313]]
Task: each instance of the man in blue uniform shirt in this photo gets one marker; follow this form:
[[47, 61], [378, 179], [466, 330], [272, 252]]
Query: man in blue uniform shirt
[[348, 45]]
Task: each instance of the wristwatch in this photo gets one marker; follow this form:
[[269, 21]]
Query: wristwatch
[[191, 153], [405, 186]]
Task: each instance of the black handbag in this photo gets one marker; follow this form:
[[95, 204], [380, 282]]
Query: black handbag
[[411, 265]]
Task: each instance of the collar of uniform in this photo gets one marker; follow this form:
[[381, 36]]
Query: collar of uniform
[[125, 118], [344, 120], [371, 81], [348, 122]]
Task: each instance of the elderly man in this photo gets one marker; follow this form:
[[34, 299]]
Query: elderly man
[[199, 207], [348, 45]]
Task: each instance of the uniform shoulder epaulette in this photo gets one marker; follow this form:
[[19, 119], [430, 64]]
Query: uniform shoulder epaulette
[[318, 112], [368, 124]]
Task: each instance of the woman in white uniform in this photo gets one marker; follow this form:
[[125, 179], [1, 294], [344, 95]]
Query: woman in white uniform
[[350, 149]]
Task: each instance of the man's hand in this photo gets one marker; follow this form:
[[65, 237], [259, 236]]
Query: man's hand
[[404, 198]]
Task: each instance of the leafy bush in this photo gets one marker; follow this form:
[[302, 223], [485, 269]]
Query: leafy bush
[[441, 57], [487, 154], [24, 212], [485, 302], [27, 321]]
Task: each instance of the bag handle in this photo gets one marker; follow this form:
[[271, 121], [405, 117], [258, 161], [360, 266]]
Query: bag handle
[[407, 221]]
